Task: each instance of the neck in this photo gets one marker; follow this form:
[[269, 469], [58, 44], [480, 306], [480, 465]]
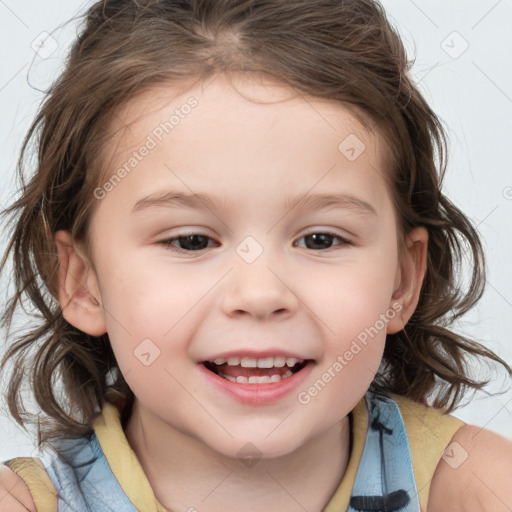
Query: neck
[[186, 474]]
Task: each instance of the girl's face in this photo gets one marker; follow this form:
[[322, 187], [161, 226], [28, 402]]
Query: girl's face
[[264, 276]]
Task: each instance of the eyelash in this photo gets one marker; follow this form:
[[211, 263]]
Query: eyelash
[[168, 243]]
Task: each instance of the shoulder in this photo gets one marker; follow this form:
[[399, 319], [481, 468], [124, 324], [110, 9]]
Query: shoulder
[[14, 493], [474, 473]]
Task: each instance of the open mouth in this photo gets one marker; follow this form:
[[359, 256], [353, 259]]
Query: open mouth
[[256, 371]]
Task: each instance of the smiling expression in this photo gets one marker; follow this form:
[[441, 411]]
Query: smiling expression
[[247, 230]]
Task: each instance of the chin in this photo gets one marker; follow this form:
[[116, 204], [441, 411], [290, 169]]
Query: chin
[[250, 450]]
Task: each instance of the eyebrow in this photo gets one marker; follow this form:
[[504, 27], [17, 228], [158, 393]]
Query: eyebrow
[[305, 201]]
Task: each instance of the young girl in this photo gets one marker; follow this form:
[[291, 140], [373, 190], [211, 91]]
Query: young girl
[[300, 357]]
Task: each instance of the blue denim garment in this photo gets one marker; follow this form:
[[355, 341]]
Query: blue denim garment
[[384, 481], [385, 476]]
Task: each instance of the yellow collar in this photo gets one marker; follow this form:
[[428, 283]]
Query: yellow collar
[[131, 477], [123, 462]]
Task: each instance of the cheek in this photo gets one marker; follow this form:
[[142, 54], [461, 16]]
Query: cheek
[[131, 287], [151, 299], [359, 290], [354, 303]]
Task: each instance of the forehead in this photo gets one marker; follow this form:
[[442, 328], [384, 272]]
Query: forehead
[[250, 97], [236, 124]]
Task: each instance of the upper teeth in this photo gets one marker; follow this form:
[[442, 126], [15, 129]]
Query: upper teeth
[[263, 362]]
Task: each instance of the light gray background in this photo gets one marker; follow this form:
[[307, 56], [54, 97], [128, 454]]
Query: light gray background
[[470, 88]]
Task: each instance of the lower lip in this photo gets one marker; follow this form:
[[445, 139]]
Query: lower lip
[[258, 394]]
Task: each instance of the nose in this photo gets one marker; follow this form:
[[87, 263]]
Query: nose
[[258, 289]]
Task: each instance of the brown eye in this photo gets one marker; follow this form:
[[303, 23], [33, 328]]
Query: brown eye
[[192, 242], [322, 241]]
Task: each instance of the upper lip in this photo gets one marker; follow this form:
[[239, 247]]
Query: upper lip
[[253, 354]]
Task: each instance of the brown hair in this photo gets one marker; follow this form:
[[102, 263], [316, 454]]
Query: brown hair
[[339, 50]]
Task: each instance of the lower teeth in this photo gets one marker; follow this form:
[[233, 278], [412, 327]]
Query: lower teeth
[[257, 380]]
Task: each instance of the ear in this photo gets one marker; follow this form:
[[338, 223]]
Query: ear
[[78, 288], [409, 279]]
